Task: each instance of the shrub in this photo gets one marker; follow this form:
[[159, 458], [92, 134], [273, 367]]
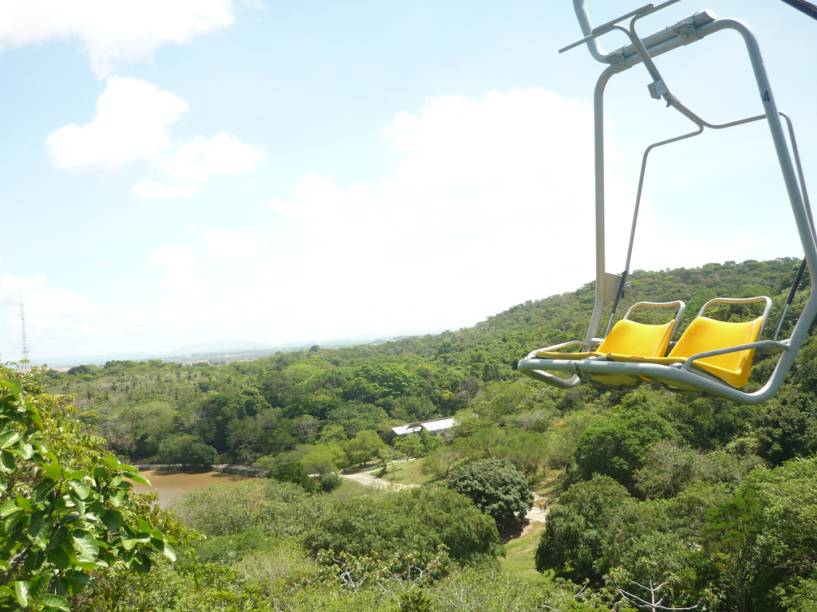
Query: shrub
[[294, 472], [669, 469], [571, 543], [392, 533], [273, 507], [329, 482], [616, 446], [65, 503], [787, 427], [497, 488], [186, 449], [764, 536]]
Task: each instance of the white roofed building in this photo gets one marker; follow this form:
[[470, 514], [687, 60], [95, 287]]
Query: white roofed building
[[402, 430], [432, 427]]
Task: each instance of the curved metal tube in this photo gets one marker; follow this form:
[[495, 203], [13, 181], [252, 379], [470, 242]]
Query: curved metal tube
[[799, 209], [716, 126], [662, 373], [587, 29], [552, 379]]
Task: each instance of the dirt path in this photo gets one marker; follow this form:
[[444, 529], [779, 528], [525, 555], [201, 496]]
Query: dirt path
[[368, 479], [537, 514]]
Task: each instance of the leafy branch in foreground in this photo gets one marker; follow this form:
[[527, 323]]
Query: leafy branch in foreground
[[65, 504]]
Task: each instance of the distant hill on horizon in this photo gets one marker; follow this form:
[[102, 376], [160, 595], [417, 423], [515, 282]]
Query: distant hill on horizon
[[552, 319]]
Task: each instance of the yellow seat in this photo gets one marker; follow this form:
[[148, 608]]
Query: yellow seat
[[705, 334], [638, 340], [627, 337]]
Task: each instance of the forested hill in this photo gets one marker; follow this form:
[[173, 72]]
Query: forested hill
[[487, 349], [279, 404], [713, 501]]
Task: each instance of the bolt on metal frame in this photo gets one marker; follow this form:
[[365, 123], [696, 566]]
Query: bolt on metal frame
[[641, 51]]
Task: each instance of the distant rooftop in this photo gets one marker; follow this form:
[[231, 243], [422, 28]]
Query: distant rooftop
[[402, 430], [429, 426]]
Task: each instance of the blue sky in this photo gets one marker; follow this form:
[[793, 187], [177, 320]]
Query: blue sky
[[197, 171]]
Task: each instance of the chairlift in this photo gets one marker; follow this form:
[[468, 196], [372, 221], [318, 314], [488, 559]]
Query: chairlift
[[711, 356]]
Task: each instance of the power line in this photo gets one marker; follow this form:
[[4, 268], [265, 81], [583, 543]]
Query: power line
[[805, 7]]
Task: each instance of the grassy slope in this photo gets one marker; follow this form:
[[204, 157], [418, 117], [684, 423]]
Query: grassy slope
[[350, 488], [520, 552], [408, 472]]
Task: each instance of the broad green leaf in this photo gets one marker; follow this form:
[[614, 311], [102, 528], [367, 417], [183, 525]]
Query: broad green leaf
[[59, 557], [54, 602], [7, 463], [130, 543], [21, 592], [7, 438], [42, 490], [112, 519], [37, 420], [90, 565], [23, 503], [52, 470], [86, 546], [137, 477], [168, 552], [10, 521], [8, 508], [118, 499], [38, 529], [80, 488]]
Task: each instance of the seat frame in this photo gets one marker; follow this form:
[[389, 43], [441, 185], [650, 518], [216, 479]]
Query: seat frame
[[640, 52], [681, 374], [595, 342]]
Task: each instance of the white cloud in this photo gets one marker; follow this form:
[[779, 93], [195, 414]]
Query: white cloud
[[55, 317], [13, 288], [111, 31], [180, 269], [234, 247], [131, 124], [489, 204], [154, 190], [200, 158]]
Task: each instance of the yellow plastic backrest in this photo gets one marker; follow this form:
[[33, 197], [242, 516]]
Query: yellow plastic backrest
[[705, 334], [633, 338]]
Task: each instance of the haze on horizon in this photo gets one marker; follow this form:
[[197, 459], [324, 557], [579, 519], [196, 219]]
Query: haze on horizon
[[205, 171]]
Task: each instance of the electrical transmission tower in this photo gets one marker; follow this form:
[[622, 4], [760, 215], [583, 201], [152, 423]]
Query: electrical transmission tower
[[25, 362]]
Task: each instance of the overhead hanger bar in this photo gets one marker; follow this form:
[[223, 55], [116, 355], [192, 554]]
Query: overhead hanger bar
[[609, 26]]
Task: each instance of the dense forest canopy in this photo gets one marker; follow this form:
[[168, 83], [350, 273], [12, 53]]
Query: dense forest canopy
[[651, 493], [252, 409]]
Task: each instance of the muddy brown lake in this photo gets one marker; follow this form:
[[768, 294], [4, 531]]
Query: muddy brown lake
[[170, 485]]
